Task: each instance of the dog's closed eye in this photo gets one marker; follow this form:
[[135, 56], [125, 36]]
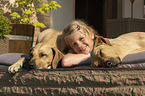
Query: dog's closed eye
[[100, 53], [42, 54]]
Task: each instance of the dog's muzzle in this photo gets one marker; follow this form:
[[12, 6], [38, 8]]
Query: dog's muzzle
[[28, 66]]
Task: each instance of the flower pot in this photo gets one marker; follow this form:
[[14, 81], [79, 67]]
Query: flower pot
[[20, 39]]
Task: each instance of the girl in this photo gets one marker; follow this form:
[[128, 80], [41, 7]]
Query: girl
[[79, 37]]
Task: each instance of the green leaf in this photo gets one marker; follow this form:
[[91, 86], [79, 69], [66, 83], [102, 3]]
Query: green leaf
[[15, 15], [38, 24], [28, 12], [1, 11], [25, 20]]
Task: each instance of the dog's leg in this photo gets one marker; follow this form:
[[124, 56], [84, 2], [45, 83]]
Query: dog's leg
[[16, 66]]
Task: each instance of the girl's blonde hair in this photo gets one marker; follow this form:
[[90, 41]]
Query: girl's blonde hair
[[77, 25]]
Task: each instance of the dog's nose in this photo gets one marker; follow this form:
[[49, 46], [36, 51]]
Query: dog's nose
[[109, 64], [32, 65], [28, 65]]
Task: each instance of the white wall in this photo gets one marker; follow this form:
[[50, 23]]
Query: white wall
[[138, 9], [61, 17]]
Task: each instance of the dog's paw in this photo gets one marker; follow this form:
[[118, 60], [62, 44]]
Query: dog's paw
[[14, 69]]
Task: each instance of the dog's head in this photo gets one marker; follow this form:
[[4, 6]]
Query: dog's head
[[45, 57], [104, 54]]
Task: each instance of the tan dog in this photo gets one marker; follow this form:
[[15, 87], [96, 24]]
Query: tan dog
[[111, 52], [45, 54]]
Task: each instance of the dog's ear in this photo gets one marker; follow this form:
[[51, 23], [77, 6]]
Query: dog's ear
[[56, 58], [100, 40]]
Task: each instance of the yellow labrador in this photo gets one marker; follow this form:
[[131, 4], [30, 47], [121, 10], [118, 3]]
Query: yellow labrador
[[111, 52], [45, 54]]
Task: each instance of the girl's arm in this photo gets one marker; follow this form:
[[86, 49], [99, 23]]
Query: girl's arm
[[71, 59]]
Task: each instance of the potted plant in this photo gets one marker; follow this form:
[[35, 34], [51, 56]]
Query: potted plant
[[23, 28]]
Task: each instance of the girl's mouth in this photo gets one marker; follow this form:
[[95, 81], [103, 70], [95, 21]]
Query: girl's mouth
[[83, 49]]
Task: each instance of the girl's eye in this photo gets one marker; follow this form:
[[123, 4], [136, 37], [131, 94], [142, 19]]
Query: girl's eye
[[74, 44], [81, 38]]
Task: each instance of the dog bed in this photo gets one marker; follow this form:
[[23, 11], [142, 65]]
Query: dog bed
[[131, 61]]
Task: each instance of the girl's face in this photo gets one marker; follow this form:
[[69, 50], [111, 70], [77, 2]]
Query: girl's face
[[80, 42]]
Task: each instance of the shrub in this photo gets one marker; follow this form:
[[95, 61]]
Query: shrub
[[28, 10], [5, 26]]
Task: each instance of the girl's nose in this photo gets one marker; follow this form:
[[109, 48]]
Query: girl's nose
[[79, 44]]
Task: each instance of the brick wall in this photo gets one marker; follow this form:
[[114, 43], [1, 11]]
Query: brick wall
[[88, 82]]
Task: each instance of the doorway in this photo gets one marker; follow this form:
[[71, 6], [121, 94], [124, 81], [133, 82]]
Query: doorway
[[95, 12]]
